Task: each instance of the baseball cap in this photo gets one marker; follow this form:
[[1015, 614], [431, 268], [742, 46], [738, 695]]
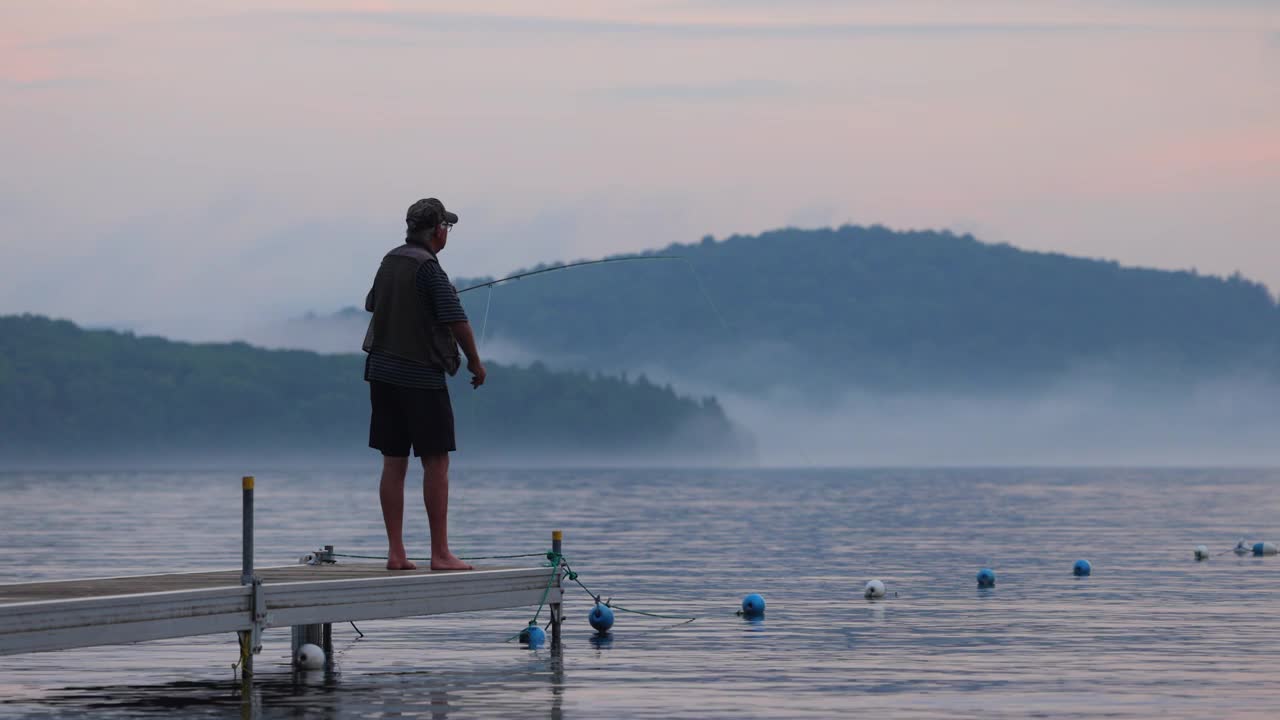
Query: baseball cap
[[427, 213]]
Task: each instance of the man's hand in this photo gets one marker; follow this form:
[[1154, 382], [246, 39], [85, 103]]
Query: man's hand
[[467, 339], [476, 368]]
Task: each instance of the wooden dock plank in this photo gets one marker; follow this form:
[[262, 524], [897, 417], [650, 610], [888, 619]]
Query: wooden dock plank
[[132, 585]]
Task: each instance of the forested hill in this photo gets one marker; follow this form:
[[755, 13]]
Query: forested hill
[[871, 307], [68, 394]]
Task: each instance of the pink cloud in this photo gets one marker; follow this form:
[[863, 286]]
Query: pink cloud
[[26, 66], [1238, 156]]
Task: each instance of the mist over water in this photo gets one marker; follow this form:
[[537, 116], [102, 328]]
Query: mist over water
[[1101, 413], [1078, 424]]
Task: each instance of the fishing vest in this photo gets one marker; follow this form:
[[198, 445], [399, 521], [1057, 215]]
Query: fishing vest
[[402, 325]]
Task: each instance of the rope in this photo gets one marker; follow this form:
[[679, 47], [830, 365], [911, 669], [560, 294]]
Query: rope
[[500, 557], [1239, 546], [609, 603], [556, 560], [427, 559], [574, 577], [686, 618], [243, 662]]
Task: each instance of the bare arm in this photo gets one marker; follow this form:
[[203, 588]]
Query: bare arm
[[467, 339]]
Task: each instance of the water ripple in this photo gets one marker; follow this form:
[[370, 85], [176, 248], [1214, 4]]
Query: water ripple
[[1151, 633]]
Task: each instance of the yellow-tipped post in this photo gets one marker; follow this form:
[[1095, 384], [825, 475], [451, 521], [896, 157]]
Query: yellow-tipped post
[[557, 547], [246, 569], [246, 530]]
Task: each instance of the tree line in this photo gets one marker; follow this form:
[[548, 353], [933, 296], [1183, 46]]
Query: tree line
[[68, 392]]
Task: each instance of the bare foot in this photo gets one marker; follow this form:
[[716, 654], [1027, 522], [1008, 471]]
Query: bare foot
[[400, 564], [448, 562]]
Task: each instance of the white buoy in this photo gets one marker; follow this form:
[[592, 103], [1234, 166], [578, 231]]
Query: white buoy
[[310, 657], [1202, 552], [1264, 548], [873, 590]]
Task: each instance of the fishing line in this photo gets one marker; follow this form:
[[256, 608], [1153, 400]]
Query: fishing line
[[484, 327], [705, 295]]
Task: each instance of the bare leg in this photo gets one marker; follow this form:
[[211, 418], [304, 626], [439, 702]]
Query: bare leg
[[391, 493], [435, 493]]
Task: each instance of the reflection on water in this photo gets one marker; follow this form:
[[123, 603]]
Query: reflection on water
[[318, 694], [1151, 633]]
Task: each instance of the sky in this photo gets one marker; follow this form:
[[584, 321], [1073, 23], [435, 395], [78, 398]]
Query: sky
[[193, 168]]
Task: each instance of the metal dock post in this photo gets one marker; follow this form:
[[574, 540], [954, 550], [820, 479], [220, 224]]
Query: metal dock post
[[250, 640], [246, 567], [320, 635], [246, 530], [557, 545]]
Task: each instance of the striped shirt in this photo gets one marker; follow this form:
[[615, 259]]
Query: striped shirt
[[441, 300]]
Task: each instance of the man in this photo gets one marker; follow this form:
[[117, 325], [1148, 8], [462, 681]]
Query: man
[[412, 342]]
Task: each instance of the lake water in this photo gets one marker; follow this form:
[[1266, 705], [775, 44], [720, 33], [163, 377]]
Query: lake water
[[1151, 634]]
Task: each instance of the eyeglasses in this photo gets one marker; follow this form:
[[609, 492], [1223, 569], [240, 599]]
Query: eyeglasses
[[447, 226]]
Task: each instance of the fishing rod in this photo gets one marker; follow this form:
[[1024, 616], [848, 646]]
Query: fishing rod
[[517, 276], [490, 284]]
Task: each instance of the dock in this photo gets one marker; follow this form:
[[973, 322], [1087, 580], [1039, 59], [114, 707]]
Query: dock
[[66, 614]]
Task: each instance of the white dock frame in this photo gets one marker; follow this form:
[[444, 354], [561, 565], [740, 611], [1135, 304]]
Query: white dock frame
[[61, 615], [83, 622]]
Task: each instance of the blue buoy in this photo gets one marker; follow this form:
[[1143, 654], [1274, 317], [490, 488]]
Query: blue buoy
[[533, 636], [753, 605], [601, 618], [1082, 568], [986, 578], [1263, 548]]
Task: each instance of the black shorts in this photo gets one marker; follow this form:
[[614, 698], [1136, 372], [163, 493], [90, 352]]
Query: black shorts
[[404, 417]]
